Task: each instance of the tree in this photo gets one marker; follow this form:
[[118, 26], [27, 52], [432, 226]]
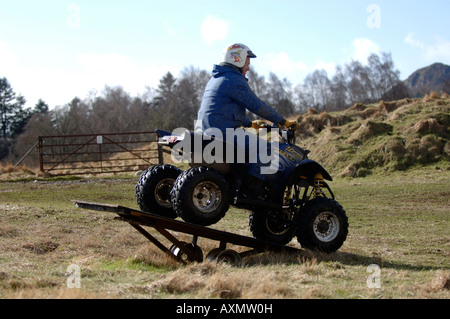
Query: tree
[[279, 95], [309, 90], [356, 80], [188, 96], [383, 75], [338, 90], [166, 86], [41, 107], [302, 98], [40, 124], [20, 117], [320, 77], [13, 116], [164, 102], [7, 106], [257, 84]]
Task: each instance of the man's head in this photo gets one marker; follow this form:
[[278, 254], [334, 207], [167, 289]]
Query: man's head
[[239, 55]]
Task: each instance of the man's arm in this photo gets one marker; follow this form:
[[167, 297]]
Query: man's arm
[[247, 98]]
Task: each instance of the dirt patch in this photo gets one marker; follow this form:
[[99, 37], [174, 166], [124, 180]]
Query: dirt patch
[[42, 247], [428, 126], [369, 129], [389, 107]]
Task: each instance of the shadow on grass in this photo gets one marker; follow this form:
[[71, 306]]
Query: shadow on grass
[[352, 259]]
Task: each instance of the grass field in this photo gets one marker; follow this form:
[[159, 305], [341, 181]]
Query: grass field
[[398, 221]]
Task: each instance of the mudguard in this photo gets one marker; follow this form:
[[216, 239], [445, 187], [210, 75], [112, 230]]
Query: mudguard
[[310, 168], [307, 168], [162, 133]]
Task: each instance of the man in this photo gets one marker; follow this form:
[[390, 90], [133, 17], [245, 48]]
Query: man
[[228, 96]]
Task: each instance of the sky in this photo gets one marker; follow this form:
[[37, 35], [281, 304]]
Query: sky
[[61, 49]]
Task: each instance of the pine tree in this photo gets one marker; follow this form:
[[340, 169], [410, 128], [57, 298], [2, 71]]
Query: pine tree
[[7, 106]]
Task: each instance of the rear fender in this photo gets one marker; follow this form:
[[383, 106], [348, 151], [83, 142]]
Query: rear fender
[[162, 133]]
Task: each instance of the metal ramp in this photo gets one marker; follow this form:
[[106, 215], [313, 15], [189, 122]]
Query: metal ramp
[[182, 251]]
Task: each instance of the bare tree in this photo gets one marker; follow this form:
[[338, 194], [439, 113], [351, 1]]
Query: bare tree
[[258, 84], [338, 90], [279, 95]]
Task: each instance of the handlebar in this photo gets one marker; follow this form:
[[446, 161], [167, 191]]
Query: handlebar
[[288, 134], [294, 127]]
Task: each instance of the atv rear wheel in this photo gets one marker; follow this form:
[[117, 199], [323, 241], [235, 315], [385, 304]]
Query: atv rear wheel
[[201, 196], [153, 190], [322, 225]]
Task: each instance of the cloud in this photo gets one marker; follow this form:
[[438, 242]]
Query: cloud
[[115, 69], [89, 71], [438, 51], [412, 42], [169, 30], [8, 59], [281, 63], [105, 62], [329, 67], [214, 29], [363, 48]]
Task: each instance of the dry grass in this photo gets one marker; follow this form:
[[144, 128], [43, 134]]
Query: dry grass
[[40, 242], [398, 220], [8, 171]]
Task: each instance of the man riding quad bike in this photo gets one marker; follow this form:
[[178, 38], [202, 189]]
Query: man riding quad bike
[[285, 199], [293, 201]]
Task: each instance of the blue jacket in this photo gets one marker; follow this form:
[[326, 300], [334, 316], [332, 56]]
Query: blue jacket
[[225, 101]]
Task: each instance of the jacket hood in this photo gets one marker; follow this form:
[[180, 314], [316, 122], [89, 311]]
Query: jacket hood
[[220, 69]]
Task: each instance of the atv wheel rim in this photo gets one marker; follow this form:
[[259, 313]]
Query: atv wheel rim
[[326, 226], [162, 192], [278, 226], [207, 197]]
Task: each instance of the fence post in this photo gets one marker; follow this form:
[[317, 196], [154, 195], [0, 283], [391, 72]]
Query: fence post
[[41, 157]]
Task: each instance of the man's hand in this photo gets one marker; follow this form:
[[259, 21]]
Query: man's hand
[[258, 124], [292, 125]]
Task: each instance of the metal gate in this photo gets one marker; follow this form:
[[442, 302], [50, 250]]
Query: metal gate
[[98, 153]]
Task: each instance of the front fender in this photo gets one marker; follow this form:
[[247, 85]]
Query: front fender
[[306, 168], [310, 168]]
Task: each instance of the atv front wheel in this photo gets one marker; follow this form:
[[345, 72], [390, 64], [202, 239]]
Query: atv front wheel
[[153, 190], [322, 225], [201, 196]]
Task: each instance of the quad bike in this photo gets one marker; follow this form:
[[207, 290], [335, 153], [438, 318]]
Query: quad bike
[[294, 201]]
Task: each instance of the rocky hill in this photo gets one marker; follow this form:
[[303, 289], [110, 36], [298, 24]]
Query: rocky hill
[[435, 77], [380, 137]]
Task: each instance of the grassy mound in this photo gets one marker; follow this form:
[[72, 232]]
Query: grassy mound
[[380, 137]]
